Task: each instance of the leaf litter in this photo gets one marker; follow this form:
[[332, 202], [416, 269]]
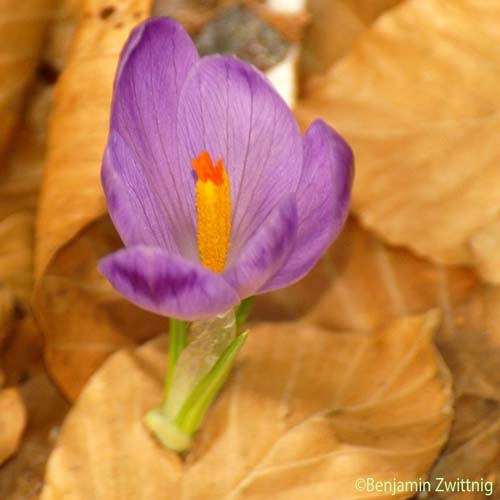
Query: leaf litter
[[337, 295], [417, 98], [305, 413]]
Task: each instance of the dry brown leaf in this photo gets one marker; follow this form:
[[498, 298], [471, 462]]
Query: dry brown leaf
[[71, 192], [305, 413], [22, 28], [12, 422], [417, 98], [333, 28], [361, 284], [82, 319]]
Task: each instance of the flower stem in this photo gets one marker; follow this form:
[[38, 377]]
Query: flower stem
[[178, 341], [204, 393], [242, 312], [200, 359]]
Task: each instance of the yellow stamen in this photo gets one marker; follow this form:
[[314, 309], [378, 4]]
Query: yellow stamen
[[213, 208]]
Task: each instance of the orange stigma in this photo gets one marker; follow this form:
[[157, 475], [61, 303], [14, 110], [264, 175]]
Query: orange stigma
[[213, 209], [205, 169]]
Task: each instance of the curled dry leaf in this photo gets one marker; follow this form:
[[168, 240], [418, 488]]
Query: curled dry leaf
[[80, 316], [304, 414], [361, 284], [417, 98], [71, 192], [22, 28], [12, 422]]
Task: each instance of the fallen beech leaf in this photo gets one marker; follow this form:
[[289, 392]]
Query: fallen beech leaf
[[305, 413], [71, 193], [361, 284], [22, 27], [473, 451], [333, 28], [417, 98], [12, 422], [81, 324]]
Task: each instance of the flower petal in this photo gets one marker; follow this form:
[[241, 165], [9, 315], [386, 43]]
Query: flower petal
[[229, 109], [266, 251], [322, 201], [149, 200], [168, 285]]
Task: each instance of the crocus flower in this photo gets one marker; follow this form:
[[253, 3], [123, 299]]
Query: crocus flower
[[214, 192]]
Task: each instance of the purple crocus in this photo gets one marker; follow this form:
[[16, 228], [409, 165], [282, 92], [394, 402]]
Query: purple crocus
[[208, 181]]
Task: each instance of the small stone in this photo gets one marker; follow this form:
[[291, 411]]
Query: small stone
[[239, 31]]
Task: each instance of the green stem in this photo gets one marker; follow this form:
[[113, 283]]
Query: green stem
[[196, 373], [204, 393], [242, 312], [178, 340]]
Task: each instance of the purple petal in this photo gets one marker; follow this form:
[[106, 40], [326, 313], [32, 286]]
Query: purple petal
[[266, 251], [149, 198], [322, 201], [228, 109], [168, 285]]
